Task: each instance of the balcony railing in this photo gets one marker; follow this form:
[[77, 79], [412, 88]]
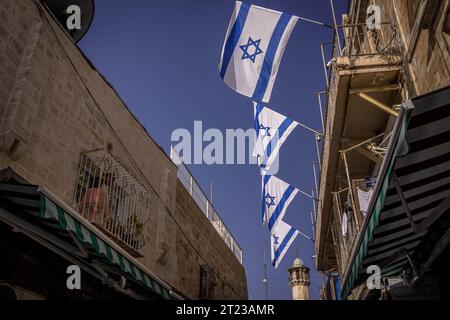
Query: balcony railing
[[356, 40], [205, 205], [349, 216], [108, 196]]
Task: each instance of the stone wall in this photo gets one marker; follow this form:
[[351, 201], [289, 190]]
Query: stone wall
[[424, 27], [54, 105], [229, 275]]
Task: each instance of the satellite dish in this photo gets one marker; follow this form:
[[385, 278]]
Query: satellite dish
[[59, 7]]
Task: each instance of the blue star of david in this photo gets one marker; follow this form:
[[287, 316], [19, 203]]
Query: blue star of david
[[266, 132], [270, 201], [245, 47], [275, 239]]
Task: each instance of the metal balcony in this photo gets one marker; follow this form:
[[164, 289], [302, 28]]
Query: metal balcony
[[363, 91]]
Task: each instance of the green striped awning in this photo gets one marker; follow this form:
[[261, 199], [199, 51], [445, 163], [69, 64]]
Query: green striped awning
[[419, 156], [49, 210], [35, 206]]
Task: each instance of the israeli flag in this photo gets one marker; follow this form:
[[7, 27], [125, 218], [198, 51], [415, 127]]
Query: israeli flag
[[276, 197], [282, 237], [253, 47], [272, 130]]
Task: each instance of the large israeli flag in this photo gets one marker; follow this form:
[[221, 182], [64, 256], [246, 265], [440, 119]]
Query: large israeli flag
[[253, 47], [272, 130], [276, 197], [282, 237]]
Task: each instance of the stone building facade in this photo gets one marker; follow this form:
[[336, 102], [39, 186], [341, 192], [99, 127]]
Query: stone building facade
[[54, 105], [371, 73]]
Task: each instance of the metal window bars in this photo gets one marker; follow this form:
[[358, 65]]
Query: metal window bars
[[202, 201], [108, 196]]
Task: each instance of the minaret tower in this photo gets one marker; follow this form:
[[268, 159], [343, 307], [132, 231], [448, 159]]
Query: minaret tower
[[299, 280]]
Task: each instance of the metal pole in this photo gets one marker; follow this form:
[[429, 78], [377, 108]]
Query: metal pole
[[211, 192], [308, 128], [363, 142], [324, 65], [318, 152], [304, 235], [312, 224], [316, 193], [336, 27], [351, 190], [314, 204], [315, 178], [266, 280], [316, 22], [304, 193], [321, 112]]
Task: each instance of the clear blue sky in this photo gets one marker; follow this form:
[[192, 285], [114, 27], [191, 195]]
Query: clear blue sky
[[162, 58]]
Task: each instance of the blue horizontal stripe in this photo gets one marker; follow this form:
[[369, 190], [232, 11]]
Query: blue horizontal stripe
[[273, 219], [269, 57], [233, 37]]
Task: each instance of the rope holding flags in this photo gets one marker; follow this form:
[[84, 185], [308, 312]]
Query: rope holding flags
[[251, 55]]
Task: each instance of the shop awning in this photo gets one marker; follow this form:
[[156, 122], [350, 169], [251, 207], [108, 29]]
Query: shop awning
[[412, 193], [31, 211]]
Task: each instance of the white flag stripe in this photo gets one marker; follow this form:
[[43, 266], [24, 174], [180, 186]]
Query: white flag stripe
[[279, 143], [254, 44], [281, 239], [234, 16], [277, 59]]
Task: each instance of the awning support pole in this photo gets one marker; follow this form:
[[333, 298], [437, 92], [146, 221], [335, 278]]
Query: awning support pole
[[417, 229]]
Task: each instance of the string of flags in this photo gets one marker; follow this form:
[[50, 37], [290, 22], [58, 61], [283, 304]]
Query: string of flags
[[253, 48]]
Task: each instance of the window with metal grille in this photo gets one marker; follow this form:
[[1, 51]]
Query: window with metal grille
[[108, 196]]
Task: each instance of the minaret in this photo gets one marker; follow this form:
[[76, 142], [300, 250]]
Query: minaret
[[299, 280]]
